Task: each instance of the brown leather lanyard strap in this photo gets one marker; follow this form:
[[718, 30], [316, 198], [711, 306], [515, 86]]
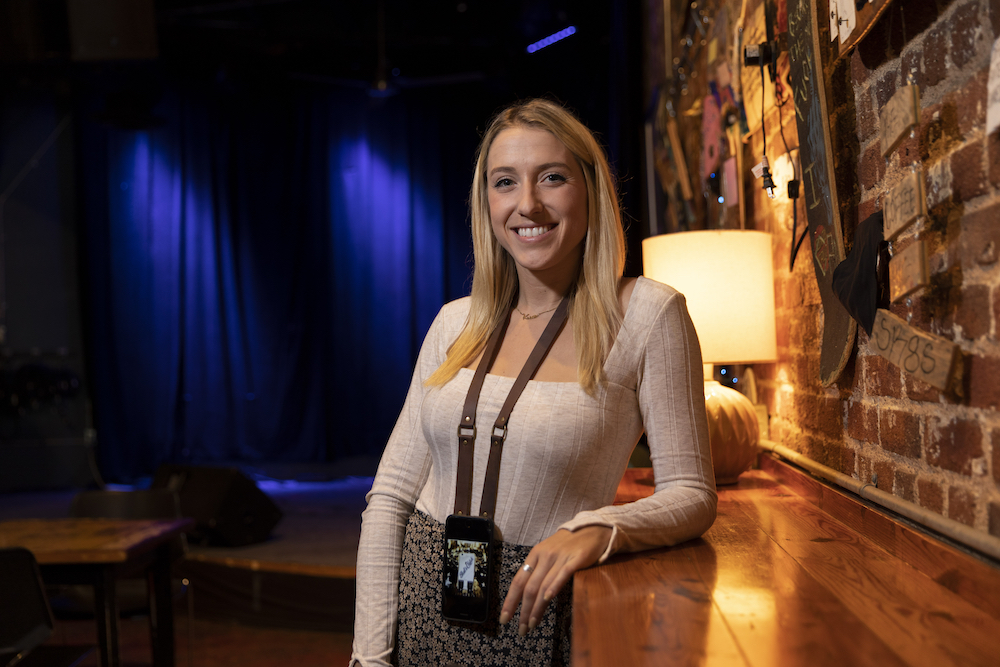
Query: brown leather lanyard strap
[[467, 427]]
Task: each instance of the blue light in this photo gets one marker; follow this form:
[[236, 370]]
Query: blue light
[[721, 199], [735, 380], [723, 371], [551, 39]]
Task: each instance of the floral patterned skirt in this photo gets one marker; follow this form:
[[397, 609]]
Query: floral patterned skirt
[[423, 635]]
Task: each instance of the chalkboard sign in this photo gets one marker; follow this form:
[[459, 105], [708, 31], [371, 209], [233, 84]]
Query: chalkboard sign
[[815, 154]]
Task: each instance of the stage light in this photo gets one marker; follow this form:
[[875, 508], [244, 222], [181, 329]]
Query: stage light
[[551, 39]]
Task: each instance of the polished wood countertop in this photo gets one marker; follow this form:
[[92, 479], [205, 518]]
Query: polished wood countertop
[[791, 573]]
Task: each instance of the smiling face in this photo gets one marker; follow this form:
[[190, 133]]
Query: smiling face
[[538, 201]]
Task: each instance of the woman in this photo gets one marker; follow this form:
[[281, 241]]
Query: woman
[[546, 225]]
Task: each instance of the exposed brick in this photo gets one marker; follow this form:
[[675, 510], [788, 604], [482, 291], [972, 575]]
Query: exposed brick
[[899, 433], [938, 131], [994, 10], [869, 206], [953, 444], [995, 444], [862, 422], [910, 62], [970, 103], [934, 68], [807, 370], [973, 313], [859, 71], [884, 87], [882, 377], [983, 385], [996, 313], [968, 178], [820, 413], [903, 484], [793, 291], [915, 313], [871, 167], [918, 390], [781, 337], [847, 460], [919, 15], [980, 238], [867, 117], [868, 467], [937, 181], [993, 157], [930, 496], [805, 330], [778, 429], [857, 376], [961, 506], [846, 383], [966, 33]]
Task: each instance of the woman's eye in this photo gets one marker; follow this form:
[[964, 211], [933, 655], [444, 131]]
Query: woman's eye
[[554, 178], [503, 183]]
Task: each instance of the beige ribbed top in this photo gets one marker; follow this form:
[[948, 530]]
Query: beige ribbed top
[[563, 458]]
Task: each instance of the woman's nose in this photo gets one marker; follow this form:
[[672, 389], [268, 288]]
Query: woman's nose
[[530, 203]]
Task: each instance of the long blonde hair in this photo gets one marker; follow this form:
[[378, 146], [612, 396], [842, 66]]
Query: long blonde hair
[[594, 304]]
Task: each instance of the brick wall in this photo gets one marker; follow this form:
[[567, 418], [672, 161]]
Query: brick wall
[[939, 449]]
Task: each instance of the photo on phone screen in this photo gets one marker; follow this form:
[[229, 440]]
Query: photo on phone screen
[[466, 570]]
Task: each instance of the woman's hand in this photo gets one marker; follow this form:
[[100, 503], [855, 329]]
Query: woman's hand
[[553, 561]]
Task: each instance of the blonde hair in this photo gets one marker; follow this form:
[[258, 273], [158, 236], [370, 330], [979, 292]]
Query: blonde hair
[[594, 304]]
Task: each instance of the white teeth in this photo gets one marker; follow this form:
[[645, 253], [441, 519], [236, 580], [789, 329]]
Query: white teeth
[[533, 231]]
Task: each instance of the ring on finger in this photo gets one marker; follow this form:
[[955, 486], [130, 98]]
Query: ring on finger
[[527, 568]]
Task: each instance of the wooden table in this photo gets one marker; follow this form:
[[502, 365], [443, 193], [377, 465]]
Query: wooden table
[[791, 573], [98, 552]]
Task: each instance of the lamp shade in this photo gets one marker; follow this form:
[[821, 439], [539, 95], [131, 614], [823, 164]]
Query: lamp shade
[[727, 278]]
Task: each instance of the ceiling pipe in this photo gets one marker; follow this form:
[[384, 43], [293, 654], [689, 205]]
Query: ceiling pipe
[[959, 532]]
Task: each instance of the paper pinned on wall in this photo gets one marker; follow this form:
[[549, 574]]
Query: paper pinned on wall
[[847, 18], [993, 98]]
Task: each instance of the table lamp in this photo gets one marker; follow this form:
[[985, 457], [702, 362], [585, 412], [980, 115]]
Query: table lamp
[[727, 278]]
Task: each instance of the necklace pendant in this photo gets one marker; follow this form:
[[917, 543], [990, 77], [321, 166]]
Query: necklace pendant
[[528, 317]]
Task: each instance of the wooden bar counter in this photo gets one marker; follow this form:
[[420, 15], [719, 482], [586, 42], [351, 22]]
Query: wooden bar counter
[[792, 572]]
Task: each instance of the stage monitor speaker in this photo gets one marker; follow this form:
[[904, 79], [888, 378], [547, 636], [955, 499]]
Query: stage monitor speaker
[[228, 507], [112, 29]]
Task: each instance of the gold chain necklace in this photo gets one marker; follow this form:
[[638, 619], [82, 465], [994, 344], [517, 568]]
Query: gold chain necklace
[[525, 316]]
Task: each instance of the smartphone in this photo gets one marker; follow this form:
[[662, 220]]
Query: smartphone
[[468, 566]]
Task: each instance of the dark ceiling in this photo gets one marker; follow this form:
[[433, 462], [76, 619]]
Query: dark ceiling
[[450, 50], [341, 39]]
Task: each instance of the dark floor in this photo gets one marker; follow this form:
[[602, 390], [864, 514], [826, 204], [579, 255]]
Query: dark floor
[[218, 644], [318, 532]]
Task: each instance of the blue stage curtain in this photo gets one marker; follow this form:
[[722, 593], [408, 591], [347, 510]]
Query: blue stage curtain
[[260, 271]]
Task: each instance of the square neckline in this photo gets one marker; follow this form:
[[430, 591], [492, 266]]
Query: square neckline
[[640, 280]]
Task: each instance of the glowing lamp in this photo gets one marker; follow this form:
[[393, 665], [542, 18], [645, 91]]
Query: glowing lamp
[[727, 278]]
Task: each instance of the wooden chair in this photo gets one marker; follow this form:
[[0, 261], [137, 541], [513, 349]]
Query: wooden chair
[[26, 620]]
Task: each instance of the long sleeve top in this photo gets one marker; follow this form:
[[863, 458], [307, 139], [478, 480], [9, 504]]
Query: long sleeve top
[[564, 455]]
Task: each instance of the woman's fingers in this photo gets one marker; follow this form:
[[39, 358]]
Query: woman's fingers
[[550, 564]]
